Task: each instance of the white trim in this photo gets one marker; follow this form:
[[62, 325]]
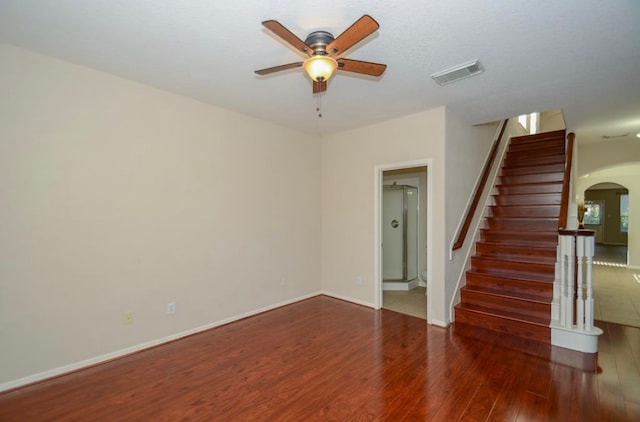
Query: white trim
[[400, 286], [439, 323], [139, 347], [348, 299], [377, 230], [573, 339]]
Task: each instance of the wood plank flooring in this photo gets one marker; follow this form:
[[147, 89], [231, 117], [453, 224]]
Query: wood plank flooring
[[323, 359]]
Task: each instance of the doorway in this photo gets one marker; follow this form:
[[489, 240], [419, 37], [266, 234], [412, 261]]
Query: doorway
[[403, 238], [616, 287]]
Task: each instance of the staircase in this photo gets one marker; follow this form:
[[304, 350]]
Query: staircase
[[509, 287]]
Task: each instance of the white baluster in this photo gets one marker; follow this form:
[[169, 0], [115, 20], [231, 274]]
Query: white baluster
[[557, 280], [571, 255], [563, 279], [589, 301], [580, 299]]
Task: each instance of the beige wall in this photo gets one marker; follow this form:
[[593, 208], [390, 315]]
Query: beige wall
[[119, 197], [614, 162], [551, 120], [592, 157], [349, 161], [466, 149]]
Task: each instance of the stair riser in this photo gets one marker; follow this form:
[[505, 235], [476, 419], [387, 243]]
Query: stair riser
[[511, 286], [543, 168], [532, 188], [548, 238], [539, 152], [515, 260], [555, 177], [529, 144], [513, 267], [521, 223], [506, 304], [501, 325], [555, 134], [493, 250], [542, 211], [533, 161], [529, 199]]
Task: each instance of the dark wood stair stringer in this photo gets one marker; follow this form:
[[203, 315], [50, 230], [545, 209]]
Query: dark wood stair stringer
[[509, 286]]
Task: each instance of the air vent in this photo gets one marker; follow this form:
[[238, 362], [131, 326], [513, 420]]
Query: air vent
[[622, 135], [458, 72]]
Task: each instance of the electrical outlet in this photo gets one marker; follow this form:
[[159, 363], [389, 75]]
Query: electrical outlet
[[283, 282], [171, 308], [359, 281], [127, 318]]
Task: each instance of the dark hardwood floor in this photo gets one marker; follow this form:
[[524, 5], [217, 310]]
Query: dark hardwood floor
[[323, 359]]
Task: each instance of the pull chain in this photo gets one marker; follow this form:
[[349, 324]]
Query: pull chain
[[319, 105]]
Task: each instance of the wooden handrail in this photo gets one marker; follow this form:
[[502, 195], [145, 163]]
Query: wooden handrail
[[564, 203], [479, 189]]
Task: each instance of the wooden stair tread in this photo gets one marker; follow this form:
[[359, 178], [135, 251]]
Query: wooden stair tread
[[523, 243], [556, 183], [532, 178], [554, 134], [513, 316], [509, 295], [518, 161], [504, 274], [516, 249], [537, 247], [507, 276], [515, 233], [522, 219], [509, 286], [515, 257]]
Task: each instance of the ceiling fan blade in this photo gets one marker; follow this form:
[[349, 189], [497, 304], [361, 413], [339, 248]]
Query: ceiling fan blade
[[274, 69], [362, 28], [319, 87], [288, 36], [357, 66]]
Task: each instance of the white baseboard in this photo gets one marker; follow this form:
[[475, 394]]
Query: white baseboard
[[401, 285], [129, 350], [439, 323], [348, 299]]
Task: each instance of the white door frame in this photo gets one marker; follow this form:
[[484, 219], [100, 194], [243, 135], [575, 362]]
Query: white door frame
[[378, 186]]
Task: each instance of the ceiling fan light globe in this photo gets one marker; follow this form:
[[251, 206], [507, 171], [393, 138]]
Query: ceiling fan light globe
[[320, 68]]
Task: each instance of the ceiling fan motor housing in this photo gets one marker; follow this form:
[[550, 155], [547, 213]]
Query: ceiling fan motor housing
[[318, 41]]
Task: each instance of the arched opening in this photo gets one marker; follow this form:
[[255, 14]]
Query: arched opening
[[607, 214], [616, 282]]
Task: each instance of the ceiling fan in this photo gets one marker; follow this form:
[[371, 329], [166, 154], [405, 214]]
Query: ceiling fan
[[322, 49]]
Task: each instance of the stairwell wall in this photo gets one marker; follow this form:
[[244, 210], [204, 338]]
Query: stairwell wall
[[458, 135], [466, 149]]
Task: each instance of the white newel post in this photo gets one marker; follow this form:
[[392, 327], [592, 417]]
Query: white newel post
[[572, 324]]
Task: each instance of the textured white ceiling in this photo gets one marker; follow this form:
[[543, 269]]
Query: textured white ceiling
[[581, 56]]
